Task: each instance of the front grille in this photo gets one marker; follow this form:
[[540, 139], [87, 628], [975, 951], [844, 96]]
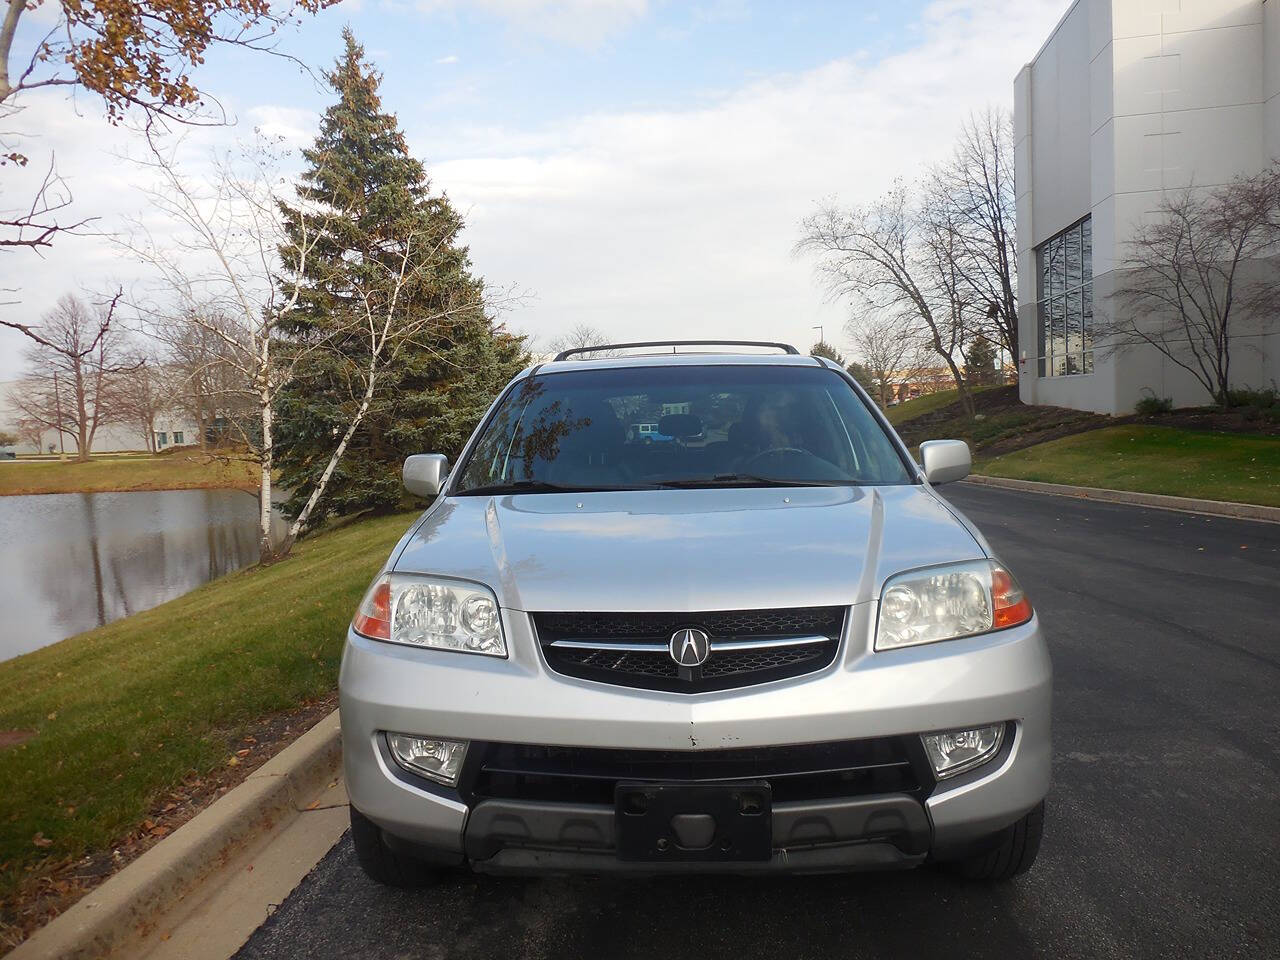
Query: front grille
[[718, 623], [748, 646], [844, 768]]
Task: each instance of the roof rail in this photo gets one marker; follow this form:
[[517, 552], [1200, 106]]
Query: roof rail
[[784, 347]]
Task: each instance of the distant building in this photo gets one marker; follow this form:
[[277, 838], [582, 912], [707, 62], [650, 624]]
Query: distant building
[[919, 383], [1125, 100], [172, 430]]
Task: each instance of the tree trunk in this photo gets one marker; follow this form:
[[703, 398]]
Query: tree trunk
[[301, 521], [962, 388], [265, 551], [83, 440]]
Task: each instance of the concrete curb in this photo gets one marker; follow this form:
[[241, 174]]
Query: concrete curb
[[117, 915], [1213, 508]]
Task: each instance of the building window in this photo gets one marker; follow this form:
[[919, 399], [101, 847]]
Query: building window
[[161, 439], [177, 438], [1064, 271]]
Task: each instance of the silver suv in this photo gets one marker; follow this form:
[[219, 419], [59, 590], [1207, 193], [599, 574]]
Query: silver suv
[[762, 644]]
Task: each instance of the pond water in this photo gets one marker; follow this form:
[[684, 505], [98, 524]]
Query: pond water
[[73, 561]]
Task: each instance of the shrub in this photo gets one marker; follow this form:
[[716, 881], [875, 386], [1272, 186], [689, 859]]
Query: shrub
[[1259, 399], [1151, 405]]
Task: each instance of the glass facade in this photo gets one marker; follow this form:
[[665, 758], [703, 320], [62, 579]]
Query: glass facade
[[1064, 301]]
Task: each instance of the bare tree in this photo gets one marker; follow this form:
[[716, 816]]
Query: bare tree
[[31, 433], [582, 335], [888, 256], [207, 384], [891, 353], [73, 370], [975, 190], [145, 394], [1195, 275]]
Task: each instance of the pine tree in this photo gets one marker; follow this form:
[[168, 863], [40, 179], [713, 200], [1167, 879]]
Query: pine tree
[[980, 362], [824, 349], [440, 384]]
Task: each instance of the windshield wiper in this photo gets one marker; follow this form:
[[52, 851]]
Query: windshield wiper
[[541, 486], [744, 480]]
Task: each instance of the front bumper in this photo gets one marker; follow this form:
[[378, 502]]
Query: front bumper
[[1003, 676]]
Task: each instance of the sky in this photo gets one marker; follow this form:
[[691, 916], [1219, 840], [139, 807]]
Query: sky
[[641, 166]]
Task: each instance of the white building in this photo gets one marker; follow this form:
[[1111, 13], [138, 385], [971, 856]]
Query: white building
[[171, 430], [1126, 99]]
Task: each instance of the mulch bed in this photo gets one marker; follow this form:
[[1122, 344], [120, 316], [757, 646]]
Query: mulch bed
[[54, 886]]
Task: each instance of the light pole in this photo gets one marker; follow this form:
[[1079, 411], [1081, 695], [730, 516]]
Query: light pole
[[821, 337]]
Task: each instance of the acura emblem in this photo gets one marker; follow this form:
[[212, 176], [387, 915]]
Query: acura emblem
[[690, 648]]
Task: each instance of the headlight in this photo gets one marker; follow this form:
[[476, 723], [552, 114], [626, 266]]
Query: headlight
[[428, 612], [944, 603]]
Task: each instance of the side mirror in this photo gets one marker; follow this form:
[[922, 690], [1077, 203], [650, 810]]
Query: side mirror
[[425, 473], [945, 461]]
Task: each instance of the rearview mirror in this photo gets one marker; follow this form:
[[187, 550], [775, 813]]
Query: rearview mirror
[[945, 461], [425, 473]]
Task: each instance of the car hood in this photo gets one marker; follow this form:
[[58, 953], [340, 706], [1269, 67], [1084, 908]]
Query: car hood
[[687, 550]]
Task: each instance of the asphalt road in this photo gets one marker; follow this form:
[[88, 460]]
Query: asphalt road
[[1163, 830]]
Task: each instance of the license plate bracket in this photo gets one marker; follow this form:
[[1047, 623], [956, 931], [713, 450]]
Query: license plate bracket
[[698, 822]]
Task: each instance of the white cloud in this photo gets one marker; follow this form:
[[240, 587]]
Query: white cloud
[[452, 58], [584, 23], [682, 222], [296, 127]]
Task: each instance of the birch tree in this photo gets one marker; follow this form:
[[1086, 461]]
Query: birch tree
[[218, 263], [387, 327]]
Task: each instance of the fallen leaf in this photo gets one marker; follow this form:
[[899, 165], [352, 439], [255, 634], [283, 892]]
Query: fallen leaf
[[242, 753], [40, 840], [159, 831], [233, 761]]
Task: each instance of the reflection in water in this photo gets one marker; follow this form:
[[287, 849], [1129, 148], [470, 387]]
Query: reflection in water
[[70, 562]]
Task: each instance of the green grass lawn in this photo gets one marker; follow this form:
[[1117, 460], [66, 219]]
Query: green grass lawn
[[179, 471], [910, 409], [124, 713], [1152, 459]]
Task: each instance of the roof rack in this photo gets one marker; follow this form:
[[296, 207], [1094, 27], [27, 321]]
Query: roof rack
[[784, 347]]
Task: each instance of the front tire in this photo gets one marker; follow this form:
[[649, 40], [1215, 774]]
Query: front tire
[[1014, 852], [382, 864]]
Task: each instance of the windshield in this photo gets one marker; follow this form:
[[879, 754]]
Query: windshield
[[653, 427]]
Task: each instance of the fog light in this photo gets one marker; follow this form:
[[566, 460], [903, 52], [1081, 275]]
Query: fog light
[[955, 751], [435, 759]]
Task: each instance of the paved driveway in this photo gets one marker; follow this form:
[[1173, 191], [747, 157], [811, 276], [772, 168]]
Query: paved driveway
[[1163, 836]]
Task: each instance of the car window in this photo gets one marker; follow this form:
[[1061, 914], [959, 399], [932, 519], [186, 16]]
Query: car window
[[682, 425]]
